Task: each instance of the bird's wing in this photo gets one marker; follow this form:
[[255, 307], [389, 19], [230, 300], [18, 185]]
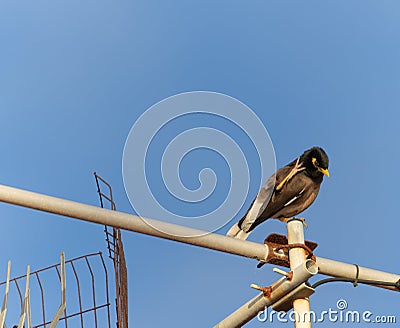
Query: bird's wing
[[259, 204], [291, 193], [263, 197]]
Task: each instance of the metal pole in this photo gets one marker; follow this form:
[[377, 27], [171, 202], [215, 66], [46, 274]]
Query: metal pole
[[132, 223], [208, 240], [345, 270], [275, 292], [297, 256]]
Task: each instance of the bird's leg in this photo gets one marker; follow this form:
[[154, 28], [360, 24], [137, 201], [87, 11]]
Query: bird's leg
[[286, 220], [297, 168]]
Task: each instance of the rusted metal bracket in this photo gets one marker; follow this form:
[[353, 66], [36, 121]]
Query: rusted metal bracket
[[299, 245], [278, 250]]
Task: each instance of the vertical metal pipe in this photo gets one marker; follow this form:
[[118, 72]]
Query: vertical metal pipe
[[297, 256]]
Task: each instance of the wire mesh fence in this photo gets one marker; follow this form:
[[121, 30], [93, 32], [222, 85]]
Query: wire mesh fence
[[87, 296]]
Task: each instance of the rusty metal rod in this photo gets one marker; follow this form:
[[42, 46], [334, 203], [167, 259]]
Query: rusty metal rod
[[276, 291], [212, 241]]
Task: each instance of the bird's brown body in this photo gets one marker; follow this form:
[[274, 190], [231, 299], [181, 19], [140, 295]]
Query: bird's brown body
[[290, 191]]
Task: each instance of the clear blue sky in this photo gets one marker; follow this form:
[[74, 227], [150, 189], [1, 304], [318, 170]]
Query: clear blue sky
[[75, 75]]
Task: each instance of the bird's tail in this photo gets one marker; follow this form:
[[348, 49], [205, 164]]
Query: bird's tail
[[237, 232]]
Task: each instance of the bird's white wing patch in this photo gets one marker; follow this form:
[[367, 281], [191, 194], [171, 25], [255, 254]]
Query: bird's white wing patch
[[294, 198]]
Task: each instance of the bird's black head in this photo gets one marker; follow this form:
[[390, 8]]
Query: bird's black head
[[316, 162]]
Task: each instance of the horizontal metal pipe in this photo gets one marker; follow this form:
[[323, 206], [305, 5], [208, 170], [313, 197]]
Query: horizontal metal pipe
[[279, 289], [345, 270], [132, 223]]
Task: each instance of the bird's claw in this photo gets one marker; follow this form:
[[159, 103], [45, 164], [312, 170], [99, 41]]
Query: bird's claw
[[303, 220]]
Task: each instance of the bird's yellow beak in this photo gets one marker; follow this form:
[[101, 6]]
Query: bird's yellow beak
[[324, 171]]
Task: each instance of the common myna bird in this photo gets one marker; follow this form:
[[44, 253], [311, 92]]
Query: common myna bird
[[291, 190]]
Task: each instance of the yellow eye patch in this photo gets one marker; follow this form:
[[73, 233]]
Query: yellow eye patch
[[314, 161], [323, 171]]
